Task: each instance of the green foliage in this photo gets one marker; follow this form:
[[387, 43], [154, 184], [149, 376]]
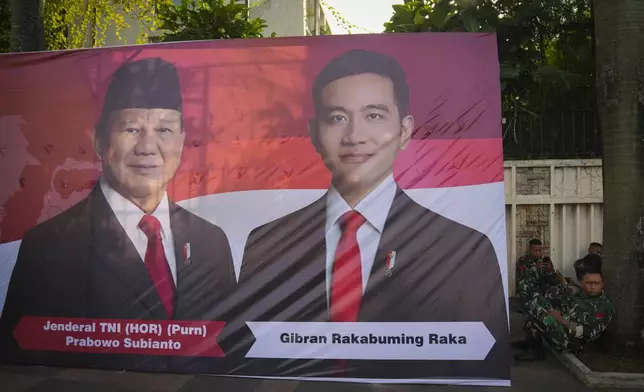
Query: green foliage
[[325, 29], [545, 46], [71, 24], [5, 27], [341, 20], [207, 19]]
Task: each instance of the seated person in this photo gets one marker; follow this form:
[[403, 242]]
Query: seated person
[[535, 276], [595, 249], [535, 273], [568, 321]]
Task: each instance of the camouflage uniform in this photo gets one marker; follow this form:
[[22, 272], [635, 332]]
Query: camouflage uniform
[[533, 280], [588, 317]]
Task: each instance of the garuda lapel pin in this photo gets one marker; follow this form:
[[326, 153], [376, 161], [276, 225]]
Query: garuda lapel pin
[[186, 254], [390, 262]]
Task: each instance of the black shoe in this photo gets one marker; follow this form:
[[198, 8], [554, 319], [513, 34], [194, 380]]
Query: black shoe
[[528, 356], [522, 344], [533, 353]]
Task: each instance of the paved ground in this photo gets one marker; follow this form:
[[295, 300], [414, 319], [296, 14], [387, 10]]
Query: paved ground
[[543, 376]]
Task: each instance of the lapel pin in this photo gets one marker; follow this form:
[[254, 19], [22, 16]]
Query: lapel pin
[[186, 254], [390, 262]]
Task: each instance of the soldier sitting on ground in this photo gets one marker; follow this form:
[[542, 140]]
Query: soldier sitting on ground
[[535, 273], [568, 321]]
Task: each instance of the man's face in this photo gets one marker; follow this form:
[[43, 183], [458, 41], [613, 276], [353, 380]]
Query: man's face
[[593, 284], [359, 130], [142, 150], [536, 251], [595, 249]]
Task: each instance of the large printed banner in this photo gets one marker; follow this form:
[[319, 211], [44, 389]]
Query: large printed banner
[[323, 208]]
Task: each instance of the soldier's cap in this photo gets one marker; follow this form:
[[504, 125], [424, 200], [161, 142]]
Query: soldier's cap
[[150, 83]]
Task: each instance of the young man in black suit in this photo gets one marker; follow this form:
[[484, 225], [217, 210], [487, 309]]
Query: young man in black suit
[[365, 251], [125, 251]]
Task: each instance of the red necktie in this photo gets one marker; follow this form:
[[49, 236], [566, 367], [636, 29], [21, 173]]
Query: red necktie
[[346, 281], [157, 264]]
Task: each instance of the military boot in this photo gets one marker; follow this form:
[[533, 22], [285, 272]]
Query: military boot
[[526, 342], [522, 344], [534, 351]]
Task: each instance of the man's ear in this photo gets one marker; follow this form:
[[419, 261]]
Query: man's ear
[[183, 140], [406, 130], [98, 143], [314, 133], [183, 135]]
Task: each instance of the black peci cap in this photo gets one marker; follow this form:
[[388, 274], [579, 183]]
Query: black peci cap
[[151, 83]]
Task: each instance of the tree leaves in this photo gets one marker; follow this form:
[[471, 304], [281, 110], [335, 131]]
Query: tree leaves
[[71, 24], [5, 27], [545, 46], [207, 19]]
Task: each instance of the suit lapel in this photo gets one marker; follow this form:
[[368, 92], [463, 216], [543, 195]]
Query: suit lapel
[[181, 240], [115, 250], [392, 239], [189, 267]]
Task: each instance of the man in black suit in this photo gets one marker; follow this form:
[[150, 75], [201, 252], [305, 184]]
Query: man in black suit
[[125, 251], [365, 251]]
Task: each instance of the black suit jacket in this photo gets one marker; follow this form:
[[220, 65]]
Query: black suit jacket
[[444, 272], [81, 263]]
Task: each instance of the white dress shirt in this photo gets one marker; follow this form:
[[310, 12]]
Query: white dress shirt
[[129, 216], [375, 209]]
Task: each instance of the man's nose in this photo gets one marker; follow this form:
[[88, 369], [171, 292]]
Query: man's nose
[[146, 142], [355, 132]]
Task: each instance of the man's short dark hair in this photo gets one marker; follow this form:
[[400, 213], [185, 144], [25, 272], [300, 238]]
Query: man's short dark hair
[[358, 62], [597, 244], [592, 269], [534, 242], [590, 264]]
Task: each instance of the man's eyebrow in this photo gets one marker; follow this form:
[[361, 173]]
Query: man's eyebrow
[[329, 109], [377, 106], [126, 120], [169, 121]]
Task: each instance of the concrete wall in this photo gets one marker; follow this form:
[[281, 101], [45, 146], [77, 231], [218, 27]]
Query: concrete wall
[[285, 18], [128, 36]]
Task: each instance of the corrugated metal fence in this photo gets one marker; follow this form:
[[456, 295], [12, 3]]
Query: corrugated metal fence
[[557, 201]]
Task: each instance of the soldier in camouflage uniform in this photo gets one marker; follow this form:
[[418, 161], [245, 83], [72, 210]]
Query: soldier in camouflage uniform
[[565, 319], [535, 274], [534, 277]]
